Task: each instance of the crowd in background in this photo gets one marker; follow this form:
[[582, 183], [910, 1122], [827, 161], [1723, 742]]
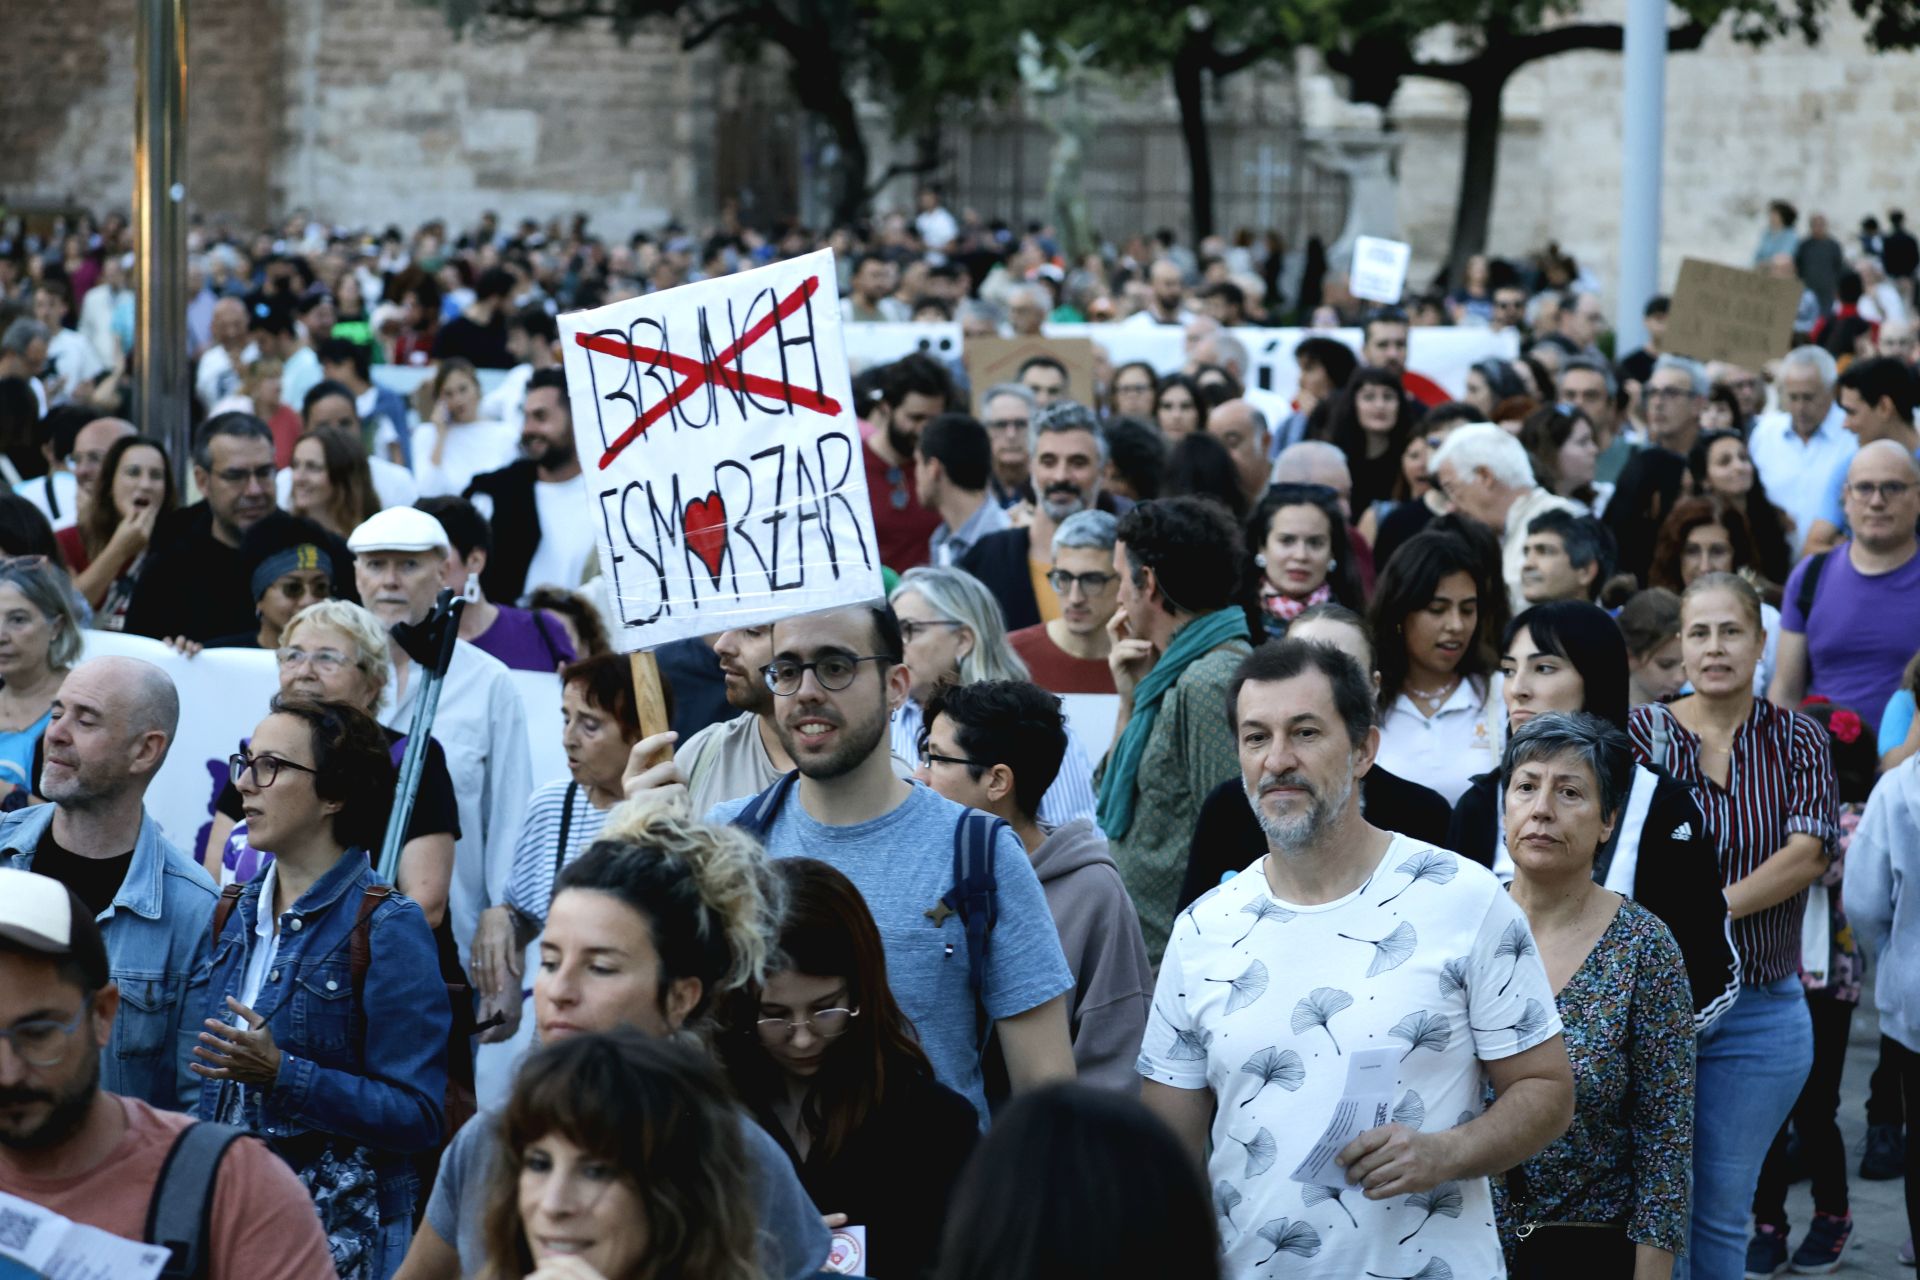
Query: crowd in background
[[1548, 749]]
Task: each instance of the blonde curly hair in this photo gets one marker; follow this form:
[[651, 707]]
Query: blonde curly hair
[[708, 892]]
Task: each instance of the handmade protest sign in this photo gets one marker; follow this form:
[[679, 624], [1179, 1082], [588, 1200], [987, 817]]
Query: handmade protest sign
[[1379, 271], [1726, 313], [722, 453]]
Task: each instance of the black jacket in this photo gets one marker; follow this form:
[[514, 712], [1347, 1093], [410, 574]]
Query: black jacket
[[1676, 874], [1228, 837], [516, 529], [1000, 561]]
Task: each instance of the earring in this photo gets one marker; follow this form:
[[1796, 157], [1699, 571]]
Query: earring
[[1259, 559], [1332, 564]]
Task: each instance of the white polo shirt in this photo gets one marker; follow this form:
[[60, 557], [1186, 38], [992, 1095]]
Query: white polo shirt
[[1445, 751]]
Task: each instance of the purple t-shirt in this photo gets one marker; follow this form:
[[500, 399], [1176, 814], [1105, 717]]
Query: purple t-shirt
[[525, 642], [1860, 633]]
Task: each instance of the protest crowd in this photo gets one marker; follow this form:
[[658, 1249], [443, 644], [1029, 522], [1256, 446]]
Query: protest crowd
[[1539, 734]]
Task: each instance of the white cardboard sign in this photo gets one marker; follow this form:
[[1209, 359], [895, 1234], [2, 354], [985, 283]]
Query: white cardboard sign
[[716, 426], [1379, 271]]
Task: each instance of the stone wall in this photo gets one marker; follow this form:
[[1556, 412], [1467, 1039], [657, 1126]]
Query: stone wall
[[1832, 128]]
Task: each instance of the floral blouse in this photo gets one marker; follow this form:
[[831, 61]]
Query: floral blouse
[[1628, 1018]]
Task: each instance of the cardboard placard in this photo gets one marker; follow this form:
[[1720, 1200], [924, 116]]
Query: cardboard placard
[[1726, 313], [992, 361], [716, 425]]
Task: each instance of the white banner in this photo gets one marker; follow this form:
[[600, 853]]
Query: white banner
[[872, 344], [724, 458]]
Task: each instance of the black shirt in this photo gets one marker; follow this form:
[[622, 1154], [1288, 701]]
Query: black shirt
[[191, 584], [93, 880], [435, 810], [482, 345], [1227, 836]]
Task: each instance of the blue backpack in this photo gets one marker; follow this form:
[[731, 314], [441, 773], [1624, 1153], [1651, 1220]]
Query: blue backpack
[[974, 896]]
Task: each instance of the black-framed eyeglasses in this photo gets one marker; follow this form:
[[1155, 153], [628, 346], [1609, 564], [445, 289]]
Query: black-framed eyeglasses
[[834, 672], [1090, 583], [1007, 424], [929, 757], [825, 1023], [264, 768], [1890, 490], [43, 1042], [910, 628]]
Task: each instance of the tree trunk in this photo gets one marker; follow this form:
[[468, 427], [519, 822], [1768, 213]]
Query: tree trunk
[[1190, 87], [819, 85], [1479, 169]]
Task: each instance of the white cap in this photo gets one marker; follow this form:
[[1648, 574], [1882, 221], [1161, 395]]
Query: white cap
[[399, 529], [35, 911]]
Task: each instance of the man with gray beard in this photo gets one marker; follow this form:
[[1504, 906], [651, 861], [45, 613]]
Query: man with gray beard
[[1069, 455], [1349, 961]]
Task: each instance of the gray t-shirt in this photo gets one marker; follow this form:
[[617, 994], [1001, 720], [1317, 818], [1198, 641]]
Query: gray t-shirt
[[793, 1240], [902, 864]]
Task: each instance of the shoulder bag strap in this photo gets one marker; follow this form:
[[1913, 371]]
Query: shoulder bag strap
[[566, 829], [223, 909], [360, 941]]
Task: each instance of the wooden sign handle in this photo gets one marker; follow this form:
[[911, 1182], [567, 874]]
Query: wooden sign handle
[[648, 700]]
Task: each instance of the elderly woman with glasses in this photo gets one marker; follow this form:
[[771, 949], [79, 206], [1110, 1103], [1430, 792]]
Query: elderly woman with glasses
[[326, 1016], [39, 643], [338, 651], [953, 634], [1609, 1197], [823, 1057]]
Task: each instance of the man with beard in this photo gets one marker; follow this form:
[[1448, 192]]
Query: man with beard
[[111, 725], [912, 392], [92, 1155], [194, 583], [1068, 456], [836, 678], [534, 505], [1344, 942], [400, 562]]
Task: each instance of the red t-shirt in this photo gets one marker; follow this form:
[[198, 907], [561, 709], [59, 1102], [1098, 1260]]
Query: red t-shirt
[[899, 521], [73, 547], [1056, 670], [264, 1224]]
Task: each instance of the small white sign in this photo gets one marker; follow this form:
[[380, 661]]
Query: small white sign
[[1379, 271], [1366, 1103], [58, 1248]]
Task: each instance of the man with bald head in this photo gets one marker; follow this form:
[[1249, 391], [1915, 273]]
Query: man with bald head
[[90, 447], [1847, 614], [112, 723], [217, 376], [1243, 430]]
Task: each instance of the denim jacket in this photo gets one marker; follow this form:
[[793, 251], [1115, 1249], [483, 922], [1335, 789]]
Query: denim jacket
[[156, 934], [372, 1072]]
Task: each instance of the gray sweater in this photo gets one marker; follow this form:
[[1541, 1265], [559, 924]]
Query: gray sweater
[[1881, 893], [1100, 934]]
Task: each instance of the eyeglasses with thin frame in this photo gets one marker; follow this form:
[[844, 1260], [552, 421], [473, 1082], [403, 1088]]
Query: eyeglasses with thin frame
[[241, 475], [1007, 424], [929, 757], [825, 1023], [43, 1042], [912, 627], [1669, 393], [322, 661], [834, 672], [1091, 584], [1889, 490], [265, 769]]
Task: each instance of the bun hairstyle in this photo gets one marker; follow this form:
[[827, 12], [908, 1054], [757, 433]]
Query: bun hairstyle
[[708, 893]]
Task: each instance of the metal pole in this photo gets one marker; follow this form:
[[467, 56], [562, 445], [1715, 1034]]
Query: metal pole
[[1643, 122], [161, 399]]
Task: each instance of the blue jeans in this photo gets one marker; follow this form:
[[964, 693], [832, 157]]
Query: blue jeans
[[1750, 1068]]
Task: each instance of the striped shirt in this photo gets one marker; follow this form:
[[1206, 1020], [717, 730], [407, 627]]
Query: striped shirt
[[1071, 796], [536, 859], [1780, 783]]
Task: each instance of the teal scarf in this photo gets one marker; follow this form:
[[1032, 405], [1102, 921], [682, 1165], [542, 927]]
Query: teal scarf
[[1190, 643]]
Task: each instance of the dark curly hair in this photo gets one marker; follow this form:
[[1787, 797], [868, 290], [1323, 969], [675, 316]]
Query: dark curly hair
[[1186, 541]]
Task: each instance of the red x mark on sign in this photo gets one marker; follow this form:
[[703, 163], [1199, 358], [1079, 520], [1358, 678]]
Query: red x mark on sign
[[697, 373]]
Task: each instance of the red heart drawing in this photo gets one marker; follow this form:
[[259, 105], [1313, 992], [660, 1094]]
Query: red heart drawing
[[705, 522]]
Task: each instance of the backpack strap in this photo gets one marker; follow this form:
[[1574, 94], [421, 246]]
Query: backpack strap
[[975, 896], [757, 818], [180, 1214], [1810, 582], [223, 909]]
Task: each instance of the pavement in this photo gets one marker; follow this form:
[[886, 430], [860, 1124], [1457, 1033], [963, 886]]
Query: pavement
[[1879, 1208]]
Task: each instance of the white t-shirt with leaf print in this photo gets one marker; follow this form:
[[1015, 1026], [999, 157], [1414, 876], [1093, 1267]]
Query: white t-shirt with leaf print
[[1261, 1001]]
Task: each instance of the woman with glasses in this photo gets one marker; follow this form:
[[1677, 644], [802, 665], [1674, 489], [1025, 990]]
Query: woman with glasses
[[953, 634], [326, 1016], [1132, 392], [823, 1057], [337, 652], [39, 643], [289, 563], [1299, 536], [134, 492]]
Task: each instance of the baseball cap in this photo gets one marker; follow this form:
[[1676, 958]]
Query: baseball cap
[[398, 529], [41, 914]]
